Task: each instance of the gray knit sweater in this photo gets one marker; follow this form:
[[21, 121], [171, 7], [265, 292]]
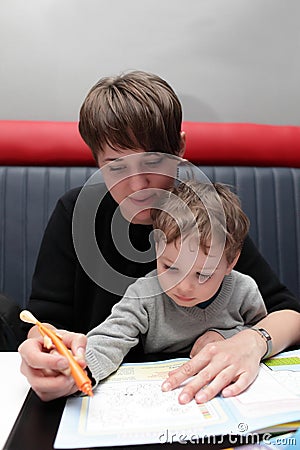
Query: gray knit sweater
[[144, 313]]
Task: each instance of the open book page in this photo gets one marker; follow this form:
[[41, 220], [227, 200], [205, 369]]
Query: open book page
[[269, 399], [129, 408], [139, 404], [288, 361]]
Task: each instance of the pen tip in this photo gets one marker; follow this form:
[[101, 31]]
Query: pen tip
[[87, 389]]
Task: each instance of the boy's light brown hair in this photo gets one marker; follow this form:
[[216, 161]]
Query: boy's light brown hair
[[209, 204], [137, 110]]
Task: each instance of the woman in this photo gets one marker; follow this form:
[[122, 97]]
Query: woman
[[132, 125]]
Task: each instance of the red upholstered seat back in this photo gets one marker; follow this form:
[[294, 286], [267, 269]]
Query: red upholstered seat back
[[44, 143]]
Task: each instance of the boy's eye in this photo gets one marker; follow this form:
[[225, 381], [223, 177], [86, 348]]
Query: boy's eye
[[202, 278], [172, 268]]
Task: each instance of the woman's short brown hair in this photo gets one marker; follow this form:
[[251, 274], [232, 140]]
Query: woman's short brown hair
[[209, 203], [137, 110]]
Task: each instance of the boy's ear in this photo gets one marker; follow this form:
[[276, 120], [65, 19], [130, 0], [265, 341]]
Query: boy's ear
[[182, 144], [232, 264]]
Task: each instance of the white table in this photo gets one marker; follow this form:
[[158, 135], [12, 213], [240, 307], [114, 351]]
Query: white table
[[14, 388]]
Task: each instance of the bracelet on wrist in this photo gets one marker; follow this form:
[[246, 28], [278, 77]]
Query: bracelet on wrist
[[267, 338]]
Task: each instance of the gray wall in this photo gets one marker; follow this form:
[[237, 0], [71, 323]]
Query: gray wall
[[229, 60]]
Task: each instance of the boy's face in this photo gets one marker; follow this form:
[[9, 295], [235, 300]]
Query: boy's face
[[135, 179], [189, 276]]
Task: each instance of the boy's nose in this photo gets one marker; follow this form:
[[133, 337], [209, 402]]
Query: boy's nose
[[138, 182], [185, 287]]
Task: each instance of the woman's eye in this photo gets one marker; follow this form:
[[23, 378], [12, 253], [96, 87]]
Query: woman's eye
[[116, 168], [153, 162]]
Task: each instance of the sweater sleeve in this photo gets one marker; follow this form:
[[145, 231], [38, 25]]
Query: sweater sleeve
[[275, 295], [251, 307], [109, 342]]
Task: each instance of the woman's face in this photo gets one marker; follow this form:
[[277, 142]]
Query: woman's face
[[136, 179]]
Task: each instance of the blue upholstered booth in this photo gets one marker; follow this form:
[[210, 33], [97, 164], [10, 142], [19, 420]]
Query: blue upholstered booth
[[39, 161]]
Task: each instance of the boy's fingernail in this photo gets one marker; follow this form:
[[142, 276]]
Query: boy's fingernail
[[201, 397], [184, 398], [166, 386], [227, 392], [80, 352]]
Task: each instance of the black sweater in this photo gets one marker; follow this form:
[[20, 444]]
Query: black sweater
[[64, 295]]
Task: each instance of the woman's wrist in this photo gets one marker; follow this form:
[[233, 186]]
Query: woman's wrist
[[254, 342], [266, 337], [263, 341]]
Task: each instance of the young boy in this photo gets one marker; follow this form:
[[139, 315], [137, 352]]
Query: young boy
[[199, 230]]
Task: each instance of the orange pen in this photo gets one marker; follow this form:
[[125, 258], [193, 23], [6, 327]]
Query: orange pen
[[82, 381]]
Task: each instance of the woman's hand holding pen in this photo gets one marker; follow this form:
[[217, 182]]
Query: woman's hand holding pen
[[45, 369]]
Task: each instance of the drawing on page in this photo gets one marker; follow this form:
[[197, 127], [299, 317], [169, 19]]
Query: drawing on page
[[135, 404]]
